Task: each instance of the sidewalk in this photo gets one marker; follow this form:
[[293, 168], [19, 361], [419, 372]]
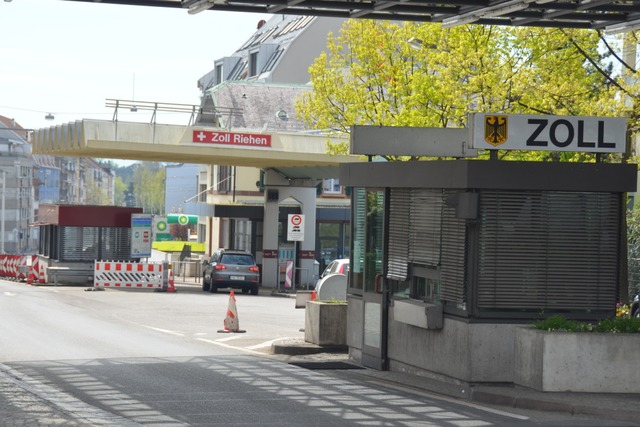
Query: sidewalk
[[618, 407]]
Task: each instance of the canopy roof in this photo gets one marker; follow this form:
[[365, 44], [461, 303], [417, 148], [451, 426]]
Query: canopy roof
[[614, 16]]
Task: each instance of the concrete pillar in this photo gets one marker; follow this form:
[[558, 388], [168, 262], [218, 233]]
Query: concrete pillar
[[304, 192]]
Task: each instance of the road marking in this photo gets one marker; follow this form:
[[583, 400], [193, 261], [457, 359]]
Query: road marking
[[268, 343], [451, 400], [221, 344], [10, 294], [230, 338], [166, 331]]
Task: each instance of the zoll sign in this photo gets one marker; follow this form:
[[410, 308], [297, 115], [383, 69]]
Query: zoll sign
[[232, 138], [548, 133]]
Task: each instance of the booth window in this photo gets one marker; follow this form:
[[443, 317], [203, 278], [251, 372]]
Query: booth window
[[426, 247], [427, 290]]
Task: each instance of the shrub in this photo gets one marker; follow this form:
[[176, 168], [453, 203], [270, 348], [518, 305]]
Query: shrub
[[559, 323]]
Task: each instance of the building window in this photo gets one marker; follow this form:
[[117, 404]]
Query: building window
[[253, 64], [218, 76], [331, 186], [224, 179]]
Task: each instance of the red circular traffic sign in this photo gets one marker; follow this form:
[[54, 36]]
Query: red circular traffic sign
[[296, 219]]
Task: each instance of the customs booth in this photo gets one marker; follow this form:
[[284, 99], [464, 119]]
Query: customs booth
[[72, 237], [449, 257]]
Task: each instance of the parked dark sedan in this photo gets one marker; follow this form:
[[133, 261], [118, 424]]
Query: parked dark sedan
[[231, 269]]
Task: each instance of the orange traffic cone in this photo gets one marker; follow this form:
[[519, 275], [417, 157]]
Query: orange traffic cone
[[41, 276], [30, 276], [314, 296], [231, 322], [171, 286]]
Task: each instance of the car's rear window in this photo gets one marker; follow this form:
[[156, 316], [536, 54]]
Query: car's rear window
[[237, 259]]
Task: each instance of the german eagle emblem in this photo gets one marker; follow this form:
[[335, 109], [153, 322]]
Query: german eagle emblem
[[495, 130]]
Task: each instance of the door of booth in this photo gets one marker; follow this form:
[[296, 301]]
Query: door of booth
[[368, 274]]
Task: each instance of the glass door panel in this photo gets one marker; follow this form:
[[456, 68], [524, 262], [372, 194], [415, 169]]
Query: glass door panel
[[374, 349]]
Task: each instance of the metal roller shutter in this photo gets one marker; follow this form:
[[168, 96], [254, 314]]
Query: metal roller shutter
[[79, 243], [115, 243]]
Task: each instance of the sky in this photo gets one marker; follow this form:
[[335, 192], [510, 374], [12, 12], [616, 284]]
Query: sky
[[67, 58]]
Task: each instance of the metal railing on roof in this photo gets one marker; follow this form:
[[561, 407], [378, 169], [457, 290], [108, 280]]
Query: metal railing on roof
[[194, 111]]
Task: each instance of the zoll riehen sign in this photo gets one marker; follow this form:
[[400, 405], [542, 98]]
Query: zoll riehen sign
[[548, 133], [232, 138]]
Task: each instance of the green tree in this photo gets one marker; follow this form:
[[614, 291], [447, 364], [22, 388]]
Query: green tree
[[96, 195], [372, 74], [633, 249], [148, 186], [119, 190]]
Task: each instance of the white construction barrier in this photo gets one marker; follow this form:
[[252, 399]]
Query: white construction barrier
[[121, 274]]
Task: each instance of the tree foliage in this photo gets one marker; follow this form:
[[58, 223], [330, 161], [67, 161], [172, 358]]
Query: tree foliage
[[371, 74], [148, 186], [119, 189]]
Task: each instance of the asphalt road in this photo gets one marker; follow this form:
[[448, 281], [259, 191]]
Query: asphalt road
[[130, 357]]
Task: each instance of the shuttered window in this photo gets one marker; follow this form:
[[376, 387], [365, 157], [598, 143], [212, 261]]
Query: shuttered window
[[359, 215], [453, 260], [87, 244], [548, 251], [399, 208], [425, 230], [115, 243], [79, 243]]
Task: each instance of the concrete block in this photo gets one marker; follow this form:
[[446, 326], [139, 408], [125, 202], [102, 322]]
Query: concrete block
[[577, 362], [325, 323]]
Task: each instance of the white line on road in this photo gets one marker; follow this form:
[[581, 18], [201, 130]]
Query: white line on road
[[166, 331], [268, 343], [221, 344], [230, 338], [10, 294]]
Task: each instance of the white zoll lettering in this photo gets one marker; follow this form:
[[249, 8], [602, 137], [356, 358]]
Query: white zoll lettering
[[220, 137]]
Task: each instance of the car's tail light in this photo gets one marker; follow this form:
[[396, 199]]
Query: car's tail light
[[254, 268], [220, 267]]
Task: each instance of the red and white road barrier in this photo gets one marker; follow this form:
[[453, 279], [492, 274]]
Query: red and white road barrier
[[122, 274], [17, 267]]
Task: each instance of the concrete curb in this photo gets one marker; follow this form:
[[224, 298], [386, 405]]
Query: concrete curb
[[614, 407]]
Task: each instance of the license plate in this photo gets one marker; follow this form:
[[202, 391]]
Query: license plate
[[237, 277]]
